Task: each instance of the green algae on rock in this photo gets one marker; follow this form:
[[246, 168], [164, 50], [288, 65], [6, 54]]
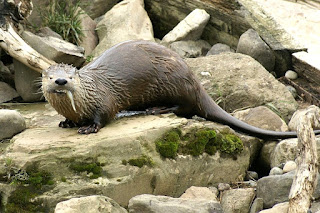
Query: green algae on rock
[[198, 141], [169, 144], [22, 199], [139, 162], [94, 169]]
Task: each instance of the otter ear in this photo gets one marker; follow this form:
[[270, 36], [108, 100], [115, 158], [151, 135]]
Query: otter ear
[[45, 72]]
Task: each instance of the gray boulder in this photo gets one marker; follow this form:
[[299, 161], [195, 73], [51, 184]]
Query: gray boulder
[[262, 117], [89, 204], [55, 49], [190, 49], [125, 21], [266, 152], [7, 93], [47, 32], [219, 48], [237, 81], [287, 150], [203, 193], [251, 44], [6, 75], [96, 8], [27, 82], [90, 38], [237, 200], [275, 189], [190, 28], [11, 123], [162, 204], [309, 111]]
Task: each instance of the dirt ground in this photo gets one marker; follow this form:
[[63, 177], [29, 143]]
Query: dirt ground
[[301, 20]]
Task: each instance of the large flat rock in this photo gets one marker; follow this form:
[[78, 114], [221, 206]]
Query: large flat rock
[[53, 149]]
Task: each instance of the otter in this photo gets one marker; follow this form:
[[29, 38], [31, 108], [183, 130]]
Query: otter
[[134, 75]]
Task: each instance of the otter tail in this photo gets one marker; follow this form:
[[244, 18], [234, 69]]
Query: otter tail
[[211, 111]]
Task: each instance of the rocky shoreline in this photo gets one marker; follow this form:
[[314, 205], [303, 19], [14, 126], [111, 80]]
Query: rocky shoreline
[[152, 163]]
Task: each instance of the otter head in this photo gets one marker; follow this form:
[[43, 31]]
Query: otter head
[[60, 81]]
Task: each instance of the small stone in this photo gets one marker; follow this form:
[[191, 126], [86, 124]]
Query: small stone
[[219, 48], [237, 200], [223, 186], [95, 203], [190, 28], [289, 166], [276, 171], [251, 175], [11, 123], [291, 75], [292, 90], [199, 193]]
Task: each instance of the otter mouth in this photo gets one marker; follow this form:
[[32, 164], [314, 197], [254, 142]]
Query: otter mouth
[[69, 95], [60, 91]]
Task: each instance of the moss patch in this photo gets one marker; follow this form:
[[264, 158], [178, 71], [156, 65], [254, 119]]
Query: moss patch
[[94, 169], [139, 162], [22, 199], [230, 144], [197, 141], [169, 144]]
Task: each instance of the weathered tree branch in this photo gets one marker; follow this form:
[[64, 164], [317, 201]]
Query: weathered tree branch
[[305, 180], [20, 50], [10, 41]]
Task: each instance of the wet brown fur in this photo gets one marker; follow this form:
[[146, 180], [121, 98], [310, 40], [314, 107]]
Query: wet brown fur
[[136, 75]]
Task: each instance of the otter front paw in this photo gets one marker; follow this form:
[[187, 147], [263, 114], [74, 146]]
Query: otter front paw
[[93, 128], [67, 124]]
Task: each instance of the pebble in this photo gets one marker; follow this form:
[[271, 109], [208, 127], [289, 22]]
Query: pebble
[[289, 166], [251, 175], [223, 186], [276, 171], [292, 75]]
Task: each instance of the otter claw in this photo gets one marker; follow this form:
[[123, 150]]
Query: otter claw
[[94, 128]]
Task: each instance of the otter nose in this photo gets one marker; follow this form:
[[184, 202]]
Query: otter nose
[[61, 81]]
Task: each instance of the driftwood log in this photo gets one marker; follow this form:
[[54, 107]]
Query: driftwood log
[[306, 176], [10, 13]]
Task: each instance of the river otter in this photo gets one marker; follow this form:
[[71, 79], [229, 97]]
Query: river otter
[[133, 75]]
